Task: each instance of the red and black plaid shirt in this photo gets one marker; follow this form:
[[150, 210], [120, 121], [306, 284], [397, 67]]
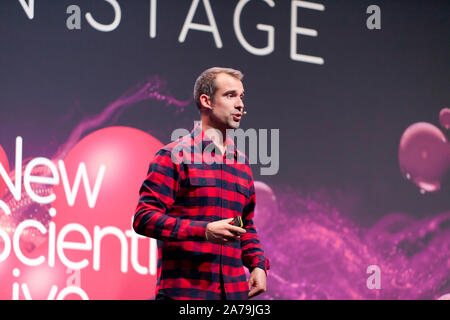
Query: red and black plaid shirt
[[179, 198]]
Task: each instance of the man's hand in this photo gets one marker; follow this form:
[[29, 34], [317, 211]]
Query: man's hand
[[221, 232], [257, 280]]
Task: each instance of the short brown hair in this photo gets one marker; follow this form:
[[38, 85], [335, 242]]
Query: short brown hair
[[205, 83]]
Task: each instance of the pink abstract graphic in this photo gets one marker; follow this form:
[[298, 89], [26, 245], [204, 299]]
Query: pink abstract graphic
[[319, 254]]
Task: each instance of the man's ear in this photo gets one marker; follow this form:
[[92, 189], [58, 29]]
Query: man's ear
[[205, 101]]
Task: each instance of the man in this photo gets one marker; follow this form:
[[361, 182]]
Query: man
[[189, 205]]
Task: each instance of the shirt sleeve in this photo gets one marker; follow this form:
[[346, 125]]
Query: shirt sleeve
[[156, 197], [252, 252]]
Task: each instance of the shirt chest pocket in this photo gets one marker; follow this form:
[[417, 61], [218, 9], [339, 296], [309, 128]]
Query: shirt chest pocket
[[241, 190], [240, 197], [197, 198], [201, 190]]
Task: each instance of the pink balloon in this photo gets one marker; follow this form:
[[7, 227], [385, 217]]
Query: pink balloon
[[5, 163], [424, 156], [445, 297], [25, 209], [42, 282], [444, 118], [125, 154], [7, 265], [6, 223], [266, 206]]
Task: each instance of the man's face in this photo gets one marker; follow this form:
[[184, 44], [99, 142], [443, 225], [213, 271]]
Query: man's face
[[228, 102]]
